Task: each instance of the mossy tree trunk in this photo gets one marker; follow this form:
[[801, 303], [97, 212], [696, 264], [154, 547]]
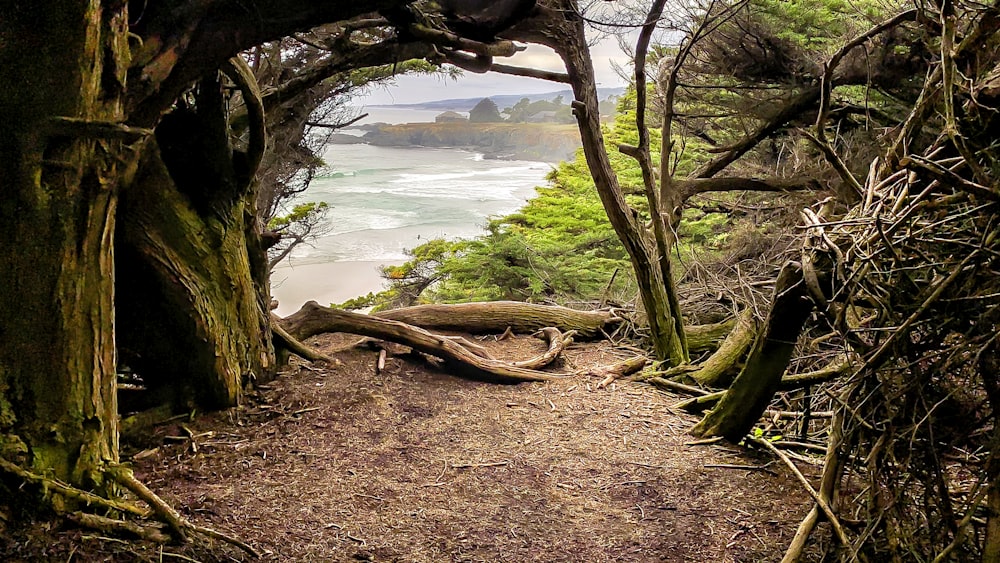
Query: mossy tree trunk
[[751, 392], [62, 68], [192, 275]]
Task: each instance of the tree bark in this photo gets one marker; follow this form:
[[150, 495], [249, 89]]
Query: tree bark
[[751, 392], [64, 153]]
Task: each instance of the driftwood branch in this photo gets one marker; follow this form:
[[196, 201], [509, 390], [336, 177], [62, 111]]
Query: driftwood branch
[[314, 319]]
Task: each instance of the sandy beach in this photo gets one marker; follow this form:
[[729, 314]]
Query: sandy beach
[[332, 282]]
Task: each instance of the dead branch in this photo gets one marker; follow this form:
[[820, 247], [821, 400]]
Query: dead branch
[[821, 502], [693, 186], [831, 475]]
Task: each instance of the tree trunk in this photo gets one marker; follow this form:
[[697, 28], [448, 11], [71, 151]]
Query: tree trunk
[[62, 69], [748, 397], [568, 39], [191, 272]]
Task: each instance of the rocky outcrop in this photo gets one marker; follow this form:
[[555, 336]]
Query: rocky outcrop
[[523, 141]]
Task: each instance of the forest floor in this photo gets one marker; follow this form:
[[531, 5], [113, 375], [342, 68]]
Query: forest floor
[[339, 463]]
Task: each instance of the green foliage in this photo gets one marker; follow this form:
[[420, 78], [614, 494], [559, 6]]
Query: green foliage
[[301, 213], [485, 112], [818, 25], [525, 111]]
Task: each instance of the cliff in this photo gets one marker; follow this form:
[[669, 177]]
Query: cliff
[[527, 141]]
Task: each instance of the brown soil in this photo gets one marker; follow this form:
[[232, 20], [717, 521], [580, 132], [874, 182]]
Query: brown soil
[[342, 464]]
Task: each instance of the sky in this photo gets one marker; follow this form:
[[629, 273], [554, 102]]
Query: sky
[[415, 89]]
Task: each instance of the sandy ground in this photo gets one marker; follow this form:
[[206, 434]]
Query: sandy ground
[[294, 284]]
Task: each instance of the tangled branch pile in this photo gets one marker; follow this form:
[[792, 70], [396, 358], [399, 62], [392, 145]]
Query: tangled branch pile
[[915, 292]]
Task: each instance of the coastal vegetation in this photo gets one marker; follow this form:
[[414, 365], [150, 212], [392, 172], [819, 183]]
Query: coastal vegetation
[[137, 198]]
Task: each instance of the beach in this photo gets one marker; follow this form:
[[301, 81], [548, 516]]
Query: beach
[[331, 282]]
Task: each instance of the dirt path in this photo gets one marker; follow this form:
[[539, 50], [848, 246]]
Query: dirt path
[[342, 464]]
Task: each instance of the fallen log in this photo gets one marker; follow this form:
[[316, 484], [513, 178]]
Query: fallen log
[[497, 316], [707, 337], [313, 319]]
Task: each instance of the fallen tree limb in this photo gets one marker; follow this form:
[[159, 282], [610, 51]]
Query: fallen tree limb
[[313, 319], [705, 337], [713, 371], [497, 316], [749, 395], [821, 502]]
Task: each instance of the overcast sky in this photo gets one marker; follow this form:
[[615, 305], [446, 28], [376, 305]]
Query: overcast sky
[[413, 89]]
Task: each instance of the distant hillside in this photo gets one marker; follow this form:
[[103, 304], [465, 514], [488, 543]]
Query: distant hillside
[[502, 100]]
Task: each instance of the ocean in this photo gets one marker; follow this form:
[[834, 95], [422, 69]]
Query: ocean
[[385, 200]]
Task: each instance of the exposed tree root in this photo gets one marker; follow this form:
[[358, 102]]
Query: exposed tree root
[[70, 492], [177, 523], [119, 527], [314, 319], [169, 517]]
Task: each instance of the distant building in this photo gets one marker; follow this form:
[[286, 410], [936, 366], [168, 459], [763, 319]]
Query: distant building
[[542, 117], [451, 117]]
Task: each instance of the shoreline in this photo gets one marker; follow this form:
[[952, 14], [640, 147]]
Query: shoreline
[[327, 282]]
